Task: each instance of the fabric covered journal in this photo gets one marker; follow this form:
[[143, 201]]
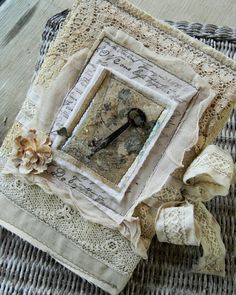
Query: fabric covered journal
[[116, 134]]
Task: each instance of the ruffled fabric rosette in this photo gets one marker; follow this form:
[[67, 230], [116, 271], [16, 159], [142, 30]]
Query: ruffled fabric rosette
[[189, 173], [32, 153], [181, 217]]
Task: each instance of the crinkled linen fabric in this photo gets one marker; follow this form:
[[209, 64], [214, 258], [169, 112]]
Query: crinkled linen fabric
[[111, 251], [86, 22]]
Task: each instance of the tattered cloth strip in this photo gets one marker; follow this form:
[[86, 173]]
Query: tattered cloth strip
[[171, 267], [181, 215], [184, 219]]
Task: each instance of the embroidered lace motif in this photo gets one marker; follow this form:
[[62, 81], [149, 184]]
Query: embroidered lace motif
[[144, 212], [174, 230], [169, 193], [216, 161], [104, 244], [27, 112], [90, 19], [210, 262], [87, 21], [182, 217]]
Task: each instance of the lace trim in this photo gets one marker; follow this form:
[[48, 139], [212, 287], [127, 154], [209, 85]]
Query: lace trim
[[214, 255], [186, 220], [221, 78], [104, 244], [216, 161], [146, 216], [90, 18], [174, 229]]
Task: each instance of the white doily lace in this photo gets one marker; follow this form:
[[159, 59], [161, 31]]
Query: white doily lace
[[104, 244], [182, 217], [89, 18], [174, 230], [81, 29]]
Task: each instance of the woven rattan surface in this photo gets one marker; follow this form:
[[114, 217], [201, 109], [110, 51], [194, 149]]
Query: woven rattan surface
[[26, 270]]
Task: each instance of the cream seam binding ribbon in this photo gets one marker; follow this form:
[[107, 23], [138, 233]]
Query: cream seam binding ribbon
[[181, 216], [185, 220]]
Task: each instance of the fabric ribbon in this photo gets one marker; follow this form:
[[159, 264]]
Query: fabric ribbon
[[182, 217]]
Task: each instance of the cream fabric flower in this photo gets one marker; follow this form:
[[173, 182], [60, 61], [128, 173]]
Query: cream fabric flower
[[32, 153]]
